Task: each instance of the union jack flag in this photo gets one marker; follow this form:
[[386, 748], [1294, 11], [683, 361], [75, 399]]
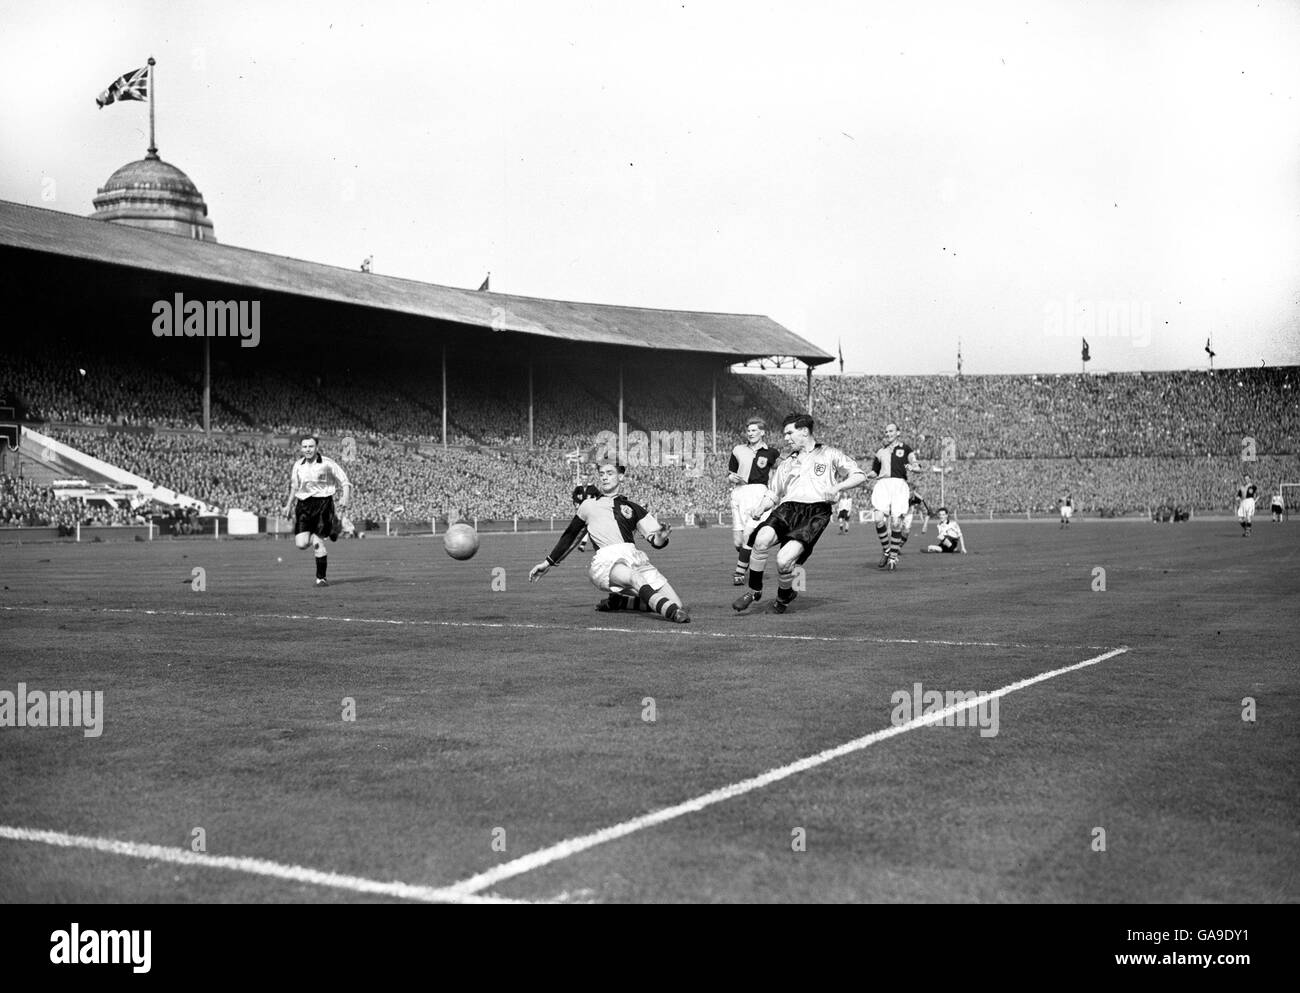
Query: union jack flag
[[132, 85]]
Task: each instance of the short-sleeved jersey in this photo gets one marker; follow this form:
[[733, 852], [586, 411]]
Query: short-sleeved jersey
[[1277, 500], [1067, 502], [890, 462], [1245, 492], [810, 477], [609, 521], [753, 465], [317, 477]]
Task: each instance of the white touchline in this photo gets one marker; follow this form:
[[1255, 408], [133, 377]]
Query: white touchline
[[565, 849], [258, 867], [664, 631]]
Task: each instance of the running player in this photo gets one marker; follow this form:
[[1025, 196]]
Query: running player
[[618, 568], [312, 485], [843, 512], [1246, 505], [889, 497], [748, 470], [802, 489], [949, 534]]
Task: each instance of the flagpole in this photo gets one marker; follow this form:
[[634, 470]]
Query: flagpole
[[153, 93]]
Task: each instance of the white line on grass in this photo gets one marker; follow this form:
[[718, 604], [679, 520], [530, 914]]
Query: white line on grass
[[573, 846], [663, 630], [258, 867]]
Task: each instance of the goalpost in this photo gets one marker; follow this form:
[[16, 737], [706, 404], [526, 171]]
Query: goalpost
[[1290, 494]]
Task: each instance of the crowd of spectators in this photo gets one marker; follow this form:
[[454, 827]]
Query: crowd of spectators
[[28, 505], [1117, 443]]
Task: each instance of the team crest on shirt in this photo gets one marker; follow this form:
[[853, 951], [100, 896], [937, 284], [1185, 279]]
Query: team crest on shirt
[[626, 511], [898, 453], [819, 469], [762, 461]]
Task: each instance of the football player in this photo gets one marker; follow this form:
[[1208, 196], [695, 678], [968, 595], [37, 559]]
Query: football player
[[889, 497], [949, 534], [748, 470], [1246, 505], [618, 568]]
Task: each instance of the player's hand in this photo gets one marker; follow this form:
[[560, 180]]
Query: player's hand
[[538, 571]]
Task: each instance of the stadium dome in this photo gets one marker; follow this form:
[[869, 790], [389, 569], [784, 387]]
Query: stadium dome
[[155, 195]]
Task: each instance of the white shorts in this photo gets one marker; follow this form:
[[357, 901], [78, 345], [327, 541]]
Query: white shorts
[[744, 501], [603, 562], [889, 496], [1067, 512], [1246, 509]]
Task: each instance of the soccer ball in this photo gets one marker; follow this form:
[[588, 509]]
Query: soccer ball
[[461, 541]]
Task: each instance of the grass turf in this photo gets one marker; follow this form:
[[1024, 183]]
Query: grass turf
[[515, 715]]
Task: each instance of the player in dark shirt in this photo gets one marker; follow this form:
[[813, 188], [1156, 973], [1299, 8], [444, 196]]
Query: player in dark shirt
[[748, 470], [618, 568], [1246, 505]]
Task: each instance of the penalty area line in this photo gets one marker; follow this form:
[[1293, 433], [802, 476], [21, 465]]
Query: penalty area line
[[572, 846], [666, 632], [255, 866]]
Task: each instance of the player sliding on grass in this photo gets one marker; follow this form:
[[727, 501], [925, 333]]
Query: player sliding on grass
[[619, 568], [802, 489]]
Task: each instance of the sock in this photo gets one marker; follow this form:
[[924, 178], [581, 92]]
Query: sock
[[757, 564], [742, 560], [624, 601], [785, 581], [903, 536], [660, 603], [882, 532], [322, 563], [895, 542]]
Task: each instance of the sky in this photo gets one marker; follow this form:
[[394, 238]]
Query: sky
[[892, 179]]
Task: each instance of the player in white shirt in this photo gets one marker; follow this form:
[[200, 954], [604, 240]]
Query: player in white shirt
[[843, 512], [949, 535], [802, 489], [618, 568], [1279, 506], [889, 497], [312, 485]]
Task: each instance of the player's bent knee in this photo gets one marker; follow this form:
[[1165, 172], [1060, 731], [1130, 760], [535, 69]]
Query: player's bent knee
[[302, 540], [764, 539], [648, 575]]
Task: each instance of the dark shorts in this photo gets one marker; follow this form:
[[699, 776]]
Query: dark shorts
[[843, 515], [950, 545], [801, 522], [316, 515]]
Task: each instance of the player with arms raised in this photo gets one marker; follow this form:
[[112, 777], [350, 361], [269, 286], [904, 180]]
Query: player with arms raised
[[802, 489], [890, 495], [618, 567], [748, 470]]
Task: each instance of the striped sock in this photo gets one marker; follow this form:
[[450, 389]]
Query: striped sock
[[660, 603], [742, 561], [882, 532], [895, 542]]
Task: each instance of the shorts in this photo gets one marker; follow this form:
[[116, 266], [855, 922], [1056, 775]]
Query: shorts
[[890, 496], [1246, 509], [843, 515], [603, 562], [949, 545], [316, 515], [1067, 513], [801, 522], [744, 501]]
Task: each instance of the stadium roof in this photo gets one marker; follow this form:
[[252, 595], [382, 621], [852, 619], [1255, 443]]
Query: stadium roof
[[736, 336]]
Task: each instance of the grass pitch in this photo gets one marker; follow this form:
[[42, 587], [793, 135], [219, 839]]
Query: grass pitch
[[494, 719]]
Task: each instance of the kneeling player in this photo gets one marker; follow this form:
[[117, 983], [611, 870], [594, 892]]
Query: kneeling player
[[619, 568], [950, 537], [802, 489]]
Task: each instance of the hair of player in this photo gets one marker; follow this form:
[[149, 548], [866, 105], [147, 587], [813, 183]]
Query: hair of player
[[803, 421], [309, 437], [942, 510], [618, 466], [762, 424]]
